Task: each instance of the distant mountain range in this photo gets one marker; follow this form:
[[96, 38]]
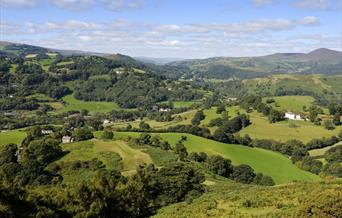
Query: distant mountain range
[[157, 61], [319, 61]]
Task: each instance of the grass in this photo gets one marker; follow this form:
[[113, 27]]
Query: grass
[[12, 136], [211, 114], [321, 151], [179, 104], [186, 120], [271, 163], [64, 63], [291, 103], [40, 97], [228, 199], [93, 106], [46, 63], [305, 130], [95, 148]]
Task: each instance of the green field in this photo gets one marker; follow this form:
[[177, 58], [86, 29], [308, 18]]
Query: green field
[[95, 148], [321, 151], [186, 120], [211, 114], [12, 136], [93, 106], [291, 103], [305, 131], [271, 163]]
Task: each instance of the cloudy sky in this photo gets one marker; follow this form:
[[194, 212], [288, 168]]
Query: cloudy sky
[[175, 28]]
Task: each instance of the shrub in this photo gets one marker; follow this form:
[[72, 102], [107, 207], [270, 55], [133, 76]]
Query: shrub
[[107, 134]]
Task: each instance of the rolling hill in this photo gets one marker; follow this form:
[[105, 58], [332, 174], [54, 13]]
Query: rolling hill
[[270, 163], [319, 61]]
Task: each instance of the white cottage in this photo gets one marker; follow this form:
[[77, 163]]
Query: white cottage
[[67, 139], [293, 116]]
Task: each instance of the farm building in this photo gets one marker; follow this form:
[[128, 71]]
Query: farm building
[[106, 122], [67, 139], [164, 109], [293, 116], [46, 131]]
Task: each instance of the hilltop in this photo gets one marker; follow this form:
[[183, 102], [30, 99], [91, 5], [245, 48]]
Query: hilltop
[[320, 61]]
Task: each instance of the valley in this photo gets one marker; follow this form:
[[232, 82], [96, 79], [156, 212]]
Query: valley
[[244, 144]]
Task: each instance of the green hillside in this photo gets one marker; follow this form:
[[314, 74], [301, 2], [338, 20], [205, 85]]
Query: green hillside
[[228, 199], [291, 103], [270, 163], [71, 103], [106, 152], [12, 136], [304, 131]]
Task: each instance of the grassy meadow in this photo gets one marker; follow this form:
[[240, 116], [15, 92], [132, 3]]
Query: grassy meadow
[[93, 106], [291, 103], [271, 163], [106, 151], [304, 131], [321, 151], [12, 136]]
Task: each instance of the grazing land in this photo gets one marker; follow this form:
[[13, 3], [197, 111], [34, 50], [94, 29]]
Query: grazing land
[[321, 151], [103, 150], [71, 103], [291, 103], [304, 131], [271, 163], [12, 136]]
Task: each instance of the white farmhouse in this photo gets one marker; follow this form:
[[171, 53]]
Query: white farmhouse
[[67, 139], [164, 109], [106, 122], [46, 131], [292, 116]]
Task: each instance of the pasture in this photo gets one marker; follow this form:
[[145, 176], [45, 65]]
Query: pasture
[[71, 103], [321, 151], [304, 131], [211, 114], [12, 136], [270, 163], [105, 151], [291, 103]]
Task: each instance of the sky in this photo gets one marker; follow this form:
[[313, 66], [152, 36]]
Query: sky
[[175, 28]]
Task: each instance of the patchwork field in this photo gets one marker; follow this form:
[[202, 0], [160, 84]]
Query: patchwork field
[[185, 120], [283, 131], [12, 136], [106, 151], [74, 104], [291, 103], [321, 151], [271, 163], [211, 114]]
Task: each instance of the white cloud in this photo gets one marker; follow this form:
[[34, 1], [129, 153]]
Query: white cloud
[[113, 5], [73, 4], [260, 3], [18, 3], [255, 37], [312, 4], [309, 20], [118, 5]]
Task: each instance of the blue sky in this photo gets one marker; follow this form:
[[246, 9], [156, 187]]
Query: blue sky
[[175, 28]]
